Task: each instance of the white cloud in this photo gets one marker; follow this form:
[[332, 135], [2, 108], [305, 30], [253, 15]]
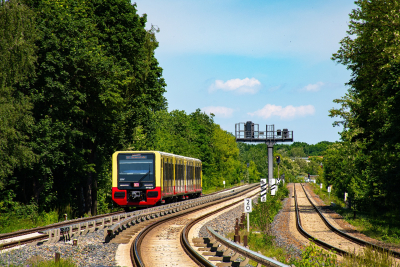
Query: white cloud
[[223, 112], [288, 112], [245, 86], [313, 87]]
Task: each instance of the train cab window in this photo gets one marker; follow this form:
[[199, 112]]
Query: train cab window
[[135, 169]]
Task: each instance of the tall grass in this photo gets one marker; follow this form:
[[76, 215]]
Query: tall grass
[[52, 263], [20, 216], [214, 189], [40, 262], [369, 257]]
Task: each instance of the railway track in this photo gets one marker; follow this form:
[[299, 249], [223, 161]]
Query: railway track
[[312, 224], [53, 232], [70, 228], [170, 236]]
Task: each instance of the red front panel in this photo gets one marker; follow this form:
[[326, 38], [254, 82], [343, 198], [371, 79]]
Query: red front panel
[[122, 201]]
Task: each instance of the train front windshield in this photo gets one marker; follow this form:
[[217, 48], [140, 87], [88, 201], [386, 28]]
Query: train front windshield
[[136, 168]]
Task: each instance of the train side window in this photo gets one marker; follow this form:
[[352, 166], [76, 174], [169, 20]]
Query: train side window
[[164, 175], [171, 176]]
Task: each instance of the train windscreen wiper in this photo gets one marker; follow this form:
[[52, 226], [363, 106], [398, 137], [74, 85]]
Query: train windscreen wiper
[[147, 173]]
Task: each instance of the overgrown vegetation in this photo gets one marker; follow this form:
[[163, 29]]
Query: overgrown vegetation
[[79, 81], [292, 165], [41, 263], [369, 257], [384, 227], [260, 238], [263, 213], [312, 256], [315, 256], [366, 163]]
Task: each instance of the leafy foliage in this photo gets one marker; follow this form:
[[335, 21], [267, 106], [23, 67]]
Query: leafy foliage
[[314, 256], [196, 135], [93, 78], [17, 59], [301, 149], [264, 213], [367, 161]]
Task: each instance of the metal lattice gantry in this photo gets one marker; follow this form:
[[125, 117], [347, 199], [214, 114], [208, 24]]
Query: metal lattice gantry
[[250, 132]]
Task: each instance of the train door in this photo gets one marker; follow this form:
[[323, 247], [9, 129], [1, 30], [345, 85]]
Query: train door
[[181, 189], [184, 167]]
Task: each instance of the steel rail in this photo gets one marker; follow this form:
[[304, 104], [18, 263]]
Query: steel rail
[[261, 259], [308, 236], [55, 231], [347, 236], [192, 253], [135, 249], [79, 220], [24, 241], [56, 225]]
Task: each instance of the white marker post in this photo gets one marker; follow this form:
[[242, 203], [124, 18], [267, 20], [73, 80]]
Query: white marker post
[[329, 191], [272, 183], [247, 209], [263, 183], [224, 183], [320, 185]]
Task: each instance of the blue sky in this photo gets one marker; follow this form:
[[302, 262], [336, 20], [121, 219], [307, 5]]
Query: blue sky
[[264, 61]]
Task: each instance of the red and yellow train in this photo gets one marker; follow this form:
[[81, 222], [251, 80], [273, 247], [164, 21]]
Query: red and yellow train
[[148, 178]]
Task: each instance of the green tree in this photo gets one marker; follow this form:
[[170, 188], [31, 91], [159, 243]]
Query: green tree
[[17, 66], [371, 53], [96, 81]]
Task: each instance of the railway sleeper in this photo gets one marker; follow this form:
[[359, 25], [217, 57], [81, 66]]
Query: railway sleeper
[[236, 263], [219, 252]]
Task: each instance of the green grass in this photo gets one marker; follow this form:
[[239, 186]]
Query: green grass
[[369, 257], [261, 216], [52, 263], [44, 263], [311, 255], [384, 227], [19, 216], [326, 197], [216, 189], [13, 221], [264, 245]]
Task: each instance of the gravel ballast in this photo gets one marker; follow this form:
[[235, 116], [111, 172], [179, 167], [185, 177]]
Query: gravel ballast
[[93, 251]]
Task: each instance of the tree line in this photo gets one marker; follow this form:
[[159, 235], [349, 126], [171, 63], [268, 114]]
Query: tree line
[[291, 162], [366, 163], [78, 81]]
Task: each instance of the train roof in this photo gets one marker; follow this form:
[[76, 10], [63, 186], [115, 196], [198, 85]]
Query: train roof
[[162, 153]]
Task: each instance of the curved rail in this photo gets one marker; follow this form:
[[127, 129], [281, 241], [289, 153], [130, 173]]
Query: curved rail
[[135, 250], [261, 259], [79, 224], [201, 261], [53, 232], [59, 224], [347, 236], [308, 236]]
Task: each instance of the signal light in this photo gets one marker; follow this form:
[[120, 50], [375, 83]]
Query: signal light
[[278, 159]]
